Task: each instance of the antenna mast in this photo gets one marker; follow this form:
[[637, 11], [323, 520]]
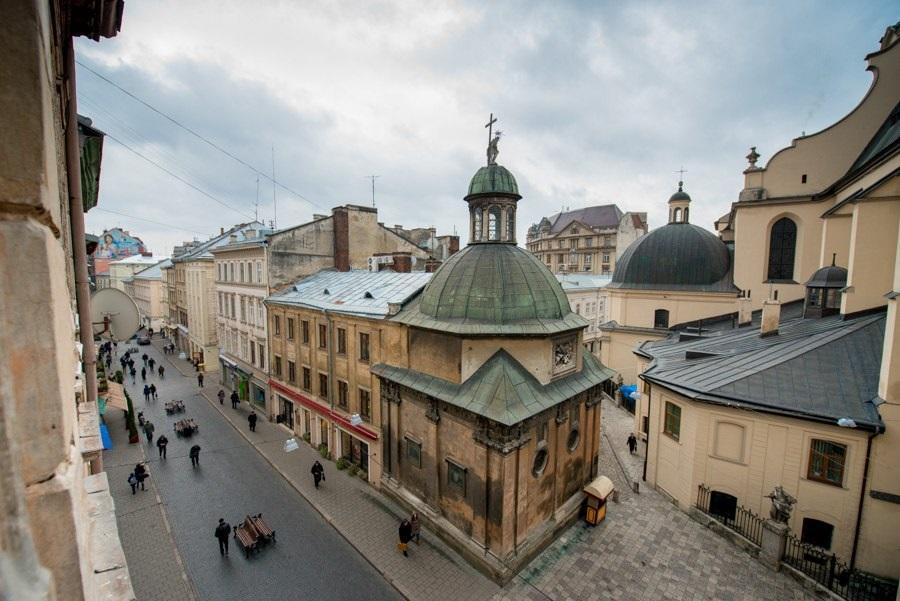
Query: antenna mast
[[274, 190], [256, 206], [373, 178]]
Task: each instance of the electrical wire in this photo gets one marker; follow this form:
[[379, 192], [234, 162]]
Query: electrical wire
[[198, 135], [168, 225]]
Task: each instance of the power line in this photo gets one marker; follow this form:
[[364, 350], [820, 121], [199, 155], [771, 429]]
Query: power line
[[168, 225], [197, 135], [178, 177]]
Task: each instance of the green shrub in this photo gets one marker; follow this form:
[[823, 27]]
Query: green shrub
[[323, 451], [352, 470], [341, 463], [364, 475], [306, 437], [119, 377]]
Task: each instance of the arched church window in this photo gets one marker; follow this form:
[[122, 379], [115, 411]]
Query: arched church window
[[686, 209], [476, 224], [660, 318], [494, 223], [676, 215], [782, 247], [510, 224]]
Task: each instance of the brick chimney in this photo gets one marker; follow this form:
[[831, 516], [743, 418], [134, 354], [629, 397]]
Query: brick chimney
[[341, 238], [431, 265], [454, 244], [402, 262], [771, 315]]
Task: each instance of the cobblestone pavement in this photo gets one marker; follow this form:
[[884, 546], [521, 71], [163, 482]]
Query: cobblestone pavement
[[616, 425], [157, 572], [310, 559]]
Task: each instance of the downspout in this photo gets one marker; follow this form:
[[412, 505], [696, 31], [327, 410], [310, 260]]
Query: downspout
[[647, 450], [330, 352], [862, 498], [76, 219]]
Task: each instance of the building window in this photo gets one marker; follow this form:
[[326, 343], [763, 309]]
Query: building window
[[365, 405], [233, 313], [456, 477], [290, 328], [573, 243], [826, 462], [307, 379], [413, 452], [540, 461], [259, 278], [252, 353], [606, 258], [363, 346], [660, 318], [343, 394], [341, 341], [672, 425], [262, 356], [723, 505], [816, 533], [588, 259], [241, 271], [782, 245], [589, 242], [304, 331], [323, 336], [510, 224], [231, 272], [574, 438], [476, 224], [292, 372], [276, 324], [494, 223], [243, 309], [323, 386], [277, 360]]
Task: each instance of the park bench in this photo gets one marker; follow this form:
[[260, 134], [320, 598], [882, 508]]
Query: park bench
[[265, 532], [247, 537], [174, 407], [186, 427]]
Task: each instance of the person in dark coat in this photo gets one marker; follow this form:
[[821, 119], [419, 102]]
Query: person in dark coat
[[144, 374], [133, 373], [151, 363], [144, 357], [195, 455], [153, 391], [200, 380], [632, 443], [252, 420], [222, 532], [162, 372], [221, 395], [405, 533], [161, 444], [133, 481], [146, 393], [140, 472], [318, 473], [149, 429], [235, 399]]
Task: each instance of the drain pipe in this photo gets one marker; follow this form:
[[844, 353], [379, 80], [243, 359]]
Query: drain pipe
[[862, 497], [646, 450], [76, 219]]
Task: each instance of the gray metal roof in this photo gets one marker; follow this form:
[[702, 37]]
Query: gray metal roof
[[202, 251], [819, 369], [365, 293], [501, 389], [582, 281], [154, 272]]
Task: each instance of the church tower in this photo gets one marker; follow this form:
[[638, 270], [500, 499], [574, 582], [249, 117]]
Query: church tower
[[679, 205], [493, 196]]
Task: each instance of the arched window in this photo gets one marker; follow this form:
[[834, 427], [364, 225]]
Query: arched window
[[660, 318], [782, 247], [476, 224], [494, 223], [686, 209], [510, 224], [676, 215]]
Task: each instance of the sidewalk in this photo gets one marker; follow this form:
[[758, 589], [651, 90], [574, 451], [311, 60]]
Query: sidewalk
[[616, 424], [364, 517], [157, 572]]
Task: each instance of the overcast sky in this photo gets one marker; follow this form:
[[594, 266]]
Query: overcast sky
[[598, 103]]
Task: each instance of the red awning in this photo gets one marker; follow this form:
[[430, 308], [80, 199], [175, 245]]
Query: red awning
[[323, 410]]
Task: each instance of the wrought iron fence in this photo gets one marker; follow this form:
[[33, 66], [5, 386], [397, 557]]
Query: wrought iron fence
[[741, 520], [832, 573]]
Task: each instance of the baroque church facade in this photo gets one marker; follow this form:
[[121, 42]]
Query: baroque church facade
[[491, 420]]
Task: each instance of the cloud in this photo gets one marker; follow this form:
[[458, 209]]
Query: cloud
[[599, 102]]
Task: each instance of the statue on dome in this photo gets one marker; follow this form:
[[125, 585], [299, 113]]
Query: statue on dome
[[492, 150]]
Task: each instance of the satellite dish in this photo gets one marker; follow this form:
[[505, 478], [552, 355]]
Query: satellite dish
[[114, 315]]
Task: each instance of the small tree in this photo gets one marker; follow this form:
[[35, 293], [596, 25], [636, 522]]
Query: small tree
[[133, 436]]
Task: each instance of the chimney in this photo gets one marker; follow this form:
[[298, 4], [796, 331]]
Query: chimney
[[771, 314], [221, 231], [431, 265], [250, 233], [232, 238], [745, 309], [341, 238], [454, 245], [402, 262]]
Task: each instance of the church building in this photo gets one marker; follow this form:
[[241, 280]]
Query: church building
[[491, 421]]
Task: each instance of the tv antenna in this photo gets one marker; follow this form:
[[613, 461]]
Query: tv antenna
[[373, 178]]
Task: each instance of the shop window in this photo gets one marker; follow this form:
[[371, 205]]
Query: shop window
[[413, 452], [323, 386], [323, 336], [672, 425], [660, 318], [363, 347], [307, 379], [456, 477], [292, 372], [817, 533], [826, 462], [343, 394], [341, 341], [365, 405], [782, 246], [723, 505]]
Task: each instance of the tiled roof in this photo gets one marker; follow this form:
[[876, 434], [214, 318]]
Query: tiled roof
[[820, 369], [596, 216], [501, 389], [367, 293]]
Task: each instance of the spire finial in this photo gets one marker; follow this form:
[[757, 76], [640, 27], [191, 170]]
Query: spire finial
[[681, 173], [833, 258]]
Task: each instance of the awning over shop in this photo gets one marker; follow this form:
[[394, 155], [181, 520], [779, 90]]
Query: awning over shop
[[105, 437], [115, 396]]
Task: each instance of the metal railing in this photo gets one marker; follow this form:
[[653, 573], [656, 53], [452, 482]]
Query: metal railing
[[744, 522], [832, 573]]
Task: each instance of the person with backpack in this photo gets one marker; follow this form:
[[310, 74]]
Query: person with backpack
[[133, 481], [161, 444]]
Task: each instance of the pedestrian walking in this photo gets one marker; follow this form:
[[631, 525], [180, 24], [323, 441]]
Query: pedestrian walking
[[133, 374], [150, 331], [405, 532], [200, 380], [161, 444], [252, 420], [415, 527], [149, 429], [151, 363], [140, 472], [153, 391], [194, 454], [221, 395], [108, 362], [146, 393], [144, 357], [318, 473], [222, 532], [235, 399], [162, 372], [133, 481], [144, 374], [632, 443]]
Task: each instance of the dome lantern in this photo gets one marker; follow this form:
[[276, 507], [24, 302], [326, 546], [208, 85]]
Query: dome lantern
[[679, 205], [823, 290], [493, 196]]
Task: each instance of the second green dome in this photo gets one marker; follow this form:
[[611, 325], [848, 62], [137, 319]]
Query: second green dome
[[493, 179]]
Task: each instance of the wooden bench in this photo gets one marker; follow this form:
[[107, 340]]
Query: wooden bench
[[265, 532], [186, 427], [246, 536], [174, 407]]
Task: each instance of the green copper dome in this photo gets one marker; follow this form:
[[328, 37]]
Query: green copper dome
[[493, 179], [494, 284]]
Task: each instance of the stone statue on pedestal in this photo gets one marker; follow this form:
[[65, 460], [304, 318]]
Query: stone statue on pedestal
[[782, 503]]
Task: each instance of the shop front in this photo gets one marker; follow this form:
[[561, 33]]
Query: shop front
[[354, 450], [285, 412]]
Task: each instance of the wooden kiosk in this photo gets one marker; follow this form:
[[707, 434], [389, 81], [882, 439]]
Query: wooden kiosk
[[598, 491]]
